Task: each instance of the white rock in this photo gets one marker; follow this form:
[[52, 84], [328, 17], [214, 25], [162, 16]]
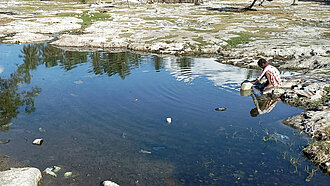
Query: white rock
[[27, 37], [109, 183], [38, 141], [56, 169], [169, 120], [28, 176], [67, 174]]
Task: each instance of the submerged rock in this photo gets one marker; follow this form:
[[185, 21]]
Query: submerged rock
[[56, 169], [67, 174], [28, 176], [4, 141], [78, 82]]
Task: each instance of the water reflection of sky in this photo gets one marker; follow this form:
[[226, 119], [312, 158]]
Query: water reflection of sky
[[100, 112], [224, 76]]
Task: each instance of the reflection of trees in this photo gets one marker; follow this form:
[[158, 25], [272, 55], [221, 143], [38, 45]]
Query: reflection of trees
[[103, 63], [159, 64], [72, 59], [10, 97], [114, 63], [33, 55], [51, 55], [184, 63]]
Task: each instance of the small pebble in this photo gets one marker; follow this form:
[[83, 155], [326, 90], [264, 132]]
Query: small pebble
[[56, 169], [67, 174], [221, 109], [38, 141], [4, 141]]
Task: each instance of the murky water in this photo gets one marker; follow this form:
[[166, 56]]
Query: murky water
[[103, 117]]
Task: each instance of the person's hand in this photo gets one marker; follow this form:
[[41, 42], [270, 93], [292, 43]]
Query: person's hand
[[269, 86], [253, 82]]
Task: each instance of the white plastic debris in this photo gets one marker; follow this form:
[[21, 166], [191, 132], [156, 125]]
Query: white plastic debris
[[145, 151], [50, 172], [168, 120], [38, 141]]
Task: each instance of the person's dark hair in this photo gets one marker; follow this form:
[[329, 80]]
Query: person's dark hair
[[254, 112], [261, 61]]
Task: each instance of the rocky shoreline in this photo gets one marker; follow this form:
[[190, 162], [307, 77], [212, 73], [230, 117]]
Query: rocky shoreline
[[286, 35]]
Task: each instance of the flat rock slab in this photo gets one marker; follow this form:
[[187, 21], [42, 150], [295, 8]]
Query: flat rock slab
[[27, 176]]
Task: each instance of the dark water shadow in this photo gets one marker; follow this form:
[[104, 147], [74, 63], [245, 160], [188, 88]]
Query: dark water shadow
[[327, 2], [230, 9]]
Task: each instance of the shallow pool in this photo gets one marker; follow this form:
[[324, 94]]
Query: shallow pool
[[103, 117]]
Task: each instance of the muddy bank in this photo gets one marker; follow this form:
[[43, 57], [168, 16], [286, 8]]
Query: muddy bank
[[290, 37], [7, 162]]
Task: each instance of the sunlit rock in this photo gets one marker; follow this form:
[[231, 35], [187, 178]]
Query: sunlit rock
[[56, 169], [109, 183], [27, 37], [67, 174], [28, 176], [38, 141]]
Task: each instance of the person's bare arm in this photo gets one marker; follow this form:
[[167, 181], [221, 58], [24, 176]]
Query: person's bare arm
[[254, 82]]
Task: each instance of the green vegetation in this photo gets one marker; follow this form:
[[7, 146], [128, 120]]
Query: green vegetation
[[87, 18], [169, 41], [199, 30], [201, 41], [326, 34], [161, 38], [243, 37], [327, 88], [125, 35]]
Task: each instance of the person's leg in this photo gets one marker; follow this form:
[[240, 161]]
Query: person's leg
[[268, 80]]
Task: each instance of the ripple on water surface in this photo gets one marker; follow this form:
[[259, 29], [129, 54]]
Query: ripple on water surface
[[103, 116]]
